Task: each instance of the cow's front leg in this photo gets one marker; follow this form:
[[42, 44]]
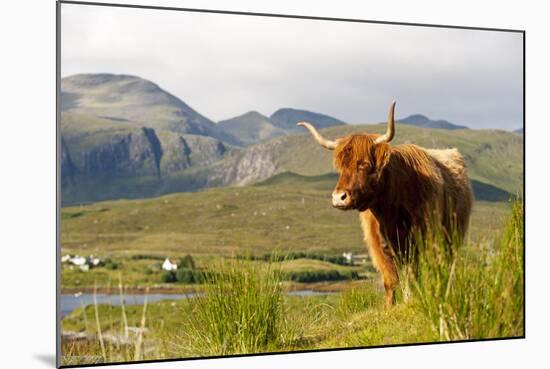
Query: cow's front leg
[[380, 253]]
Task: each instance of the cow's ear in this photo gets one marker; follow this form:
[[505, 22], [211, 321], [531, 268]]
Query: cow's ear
[[381, 156]]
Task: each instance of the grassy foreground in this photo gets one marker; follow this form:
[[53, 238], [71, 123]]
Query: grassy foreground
[[478, 293]]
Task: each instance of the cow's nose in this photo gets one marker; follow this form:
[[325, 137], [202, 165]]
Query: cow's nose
[[340, 198]]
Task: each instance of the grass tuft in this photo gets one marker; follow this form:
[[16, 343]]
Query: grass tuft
[[241, 311]]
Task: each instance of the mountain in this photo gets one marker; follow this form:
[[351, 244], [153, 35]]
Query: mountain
[[425, 122], [133, 101], [287, 118], [251, 127], [519, 130], [125, 137]]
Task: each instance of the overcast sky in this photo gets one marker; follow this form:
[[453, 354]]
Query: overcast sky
[[226, 65]]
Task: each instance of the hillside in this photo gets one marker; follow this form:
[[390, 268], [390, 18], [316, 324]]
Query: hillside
[[326, 182], [493, 157], [251, 128]]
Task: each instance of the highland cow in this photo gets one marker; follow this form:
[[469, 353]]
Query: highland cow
[[400, 191]]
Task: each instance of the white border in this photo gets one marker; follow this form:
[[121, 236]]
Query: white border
[[27, 151]]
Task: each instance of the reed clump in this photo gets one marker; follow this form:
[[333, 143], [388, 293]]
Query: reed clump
[[476, 291]]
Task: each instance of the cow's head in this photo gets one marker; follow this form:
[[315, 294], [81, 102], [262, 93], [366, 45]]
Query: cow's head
[[360, 160]]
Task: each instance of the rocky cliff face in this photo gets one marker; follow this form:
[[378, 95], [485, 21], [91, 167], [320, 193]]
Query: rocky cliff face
[[244, 167], [131, 152], [139, 152], [68, 168]]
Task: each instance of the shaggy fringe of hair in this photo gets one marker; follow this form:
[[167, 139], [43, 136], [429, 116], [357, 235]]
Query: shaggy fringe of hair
[[356, 149]]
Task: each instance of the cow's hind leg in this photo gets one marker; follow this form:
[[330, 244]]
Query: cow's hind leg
[[380, 254]]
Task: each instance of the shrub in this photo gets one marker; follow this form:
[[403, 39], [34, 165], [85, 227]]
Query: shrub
[[111, 264], [309, 276], [146, 256], [184, 275], [168, 277], [187, 262]]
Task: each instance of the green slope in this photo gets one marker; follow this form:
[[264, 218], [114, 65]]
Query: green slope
[[326, 182], [290, 213]]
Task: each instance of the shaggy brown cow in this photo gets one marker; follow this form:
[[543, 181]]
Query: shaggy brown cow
[[398, 191]]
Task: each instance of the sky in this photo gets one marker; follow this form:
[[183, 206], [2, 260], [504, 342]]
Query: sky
[[225, 65]]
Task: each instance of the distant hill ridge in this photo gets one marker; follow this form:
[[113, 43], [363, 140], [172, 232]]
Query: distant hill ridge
[[519, 130], [252, 127], [420, 120], [287, 118]]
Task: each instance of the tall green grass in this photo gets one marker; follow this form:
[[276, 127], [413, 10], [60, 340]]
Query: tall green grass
[[241, 311], [475, 291]]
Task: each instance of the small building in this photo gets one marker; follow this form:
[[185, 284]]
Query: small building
[[348, 256], [66, 258], [168, 265], [352, 259], [84, 263], [78, 260]]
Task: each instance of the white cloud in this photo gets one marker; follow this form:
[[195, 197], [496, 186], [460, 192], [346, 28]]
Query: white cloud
[[225, 65]]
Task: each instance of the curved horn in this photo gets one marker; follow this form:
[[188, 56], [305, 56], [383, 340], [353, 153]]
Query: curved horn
[[390, 132], [327, 144]]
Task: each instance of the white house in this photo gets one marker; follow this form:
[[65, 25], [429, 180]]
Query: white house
[[168, 265], [78, 260], [348, 256], [65, 258], [82, 262]]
